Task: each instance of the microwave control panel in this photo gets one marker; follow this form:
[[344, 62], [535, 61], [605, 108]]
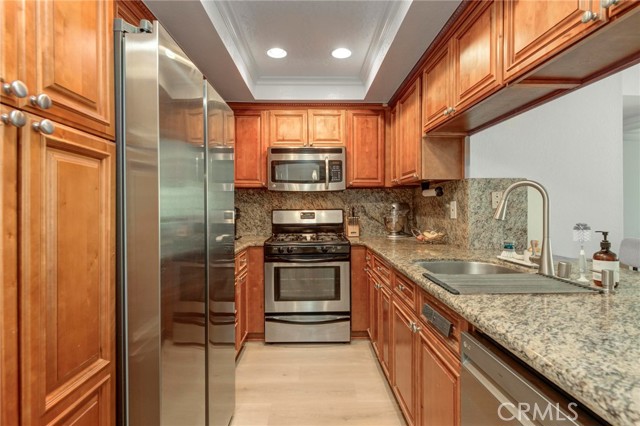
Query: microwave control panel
[[335, 171]]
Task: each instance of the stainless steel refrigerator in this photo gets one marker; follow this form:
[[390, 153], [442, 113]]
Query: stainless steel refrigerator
[[176, 320]]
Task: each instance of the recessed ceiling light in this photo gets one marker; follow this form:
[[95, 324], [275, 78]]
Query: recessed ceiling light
[[341, 53], [277, 53]]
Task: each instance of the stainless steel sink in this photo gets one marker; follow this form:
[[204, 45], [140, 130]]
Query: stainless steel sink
[[467, 277], [465, 268]]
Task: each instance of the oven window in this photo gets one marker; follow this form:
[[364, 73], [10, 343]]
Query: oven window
[[298, 171], [307, 284]]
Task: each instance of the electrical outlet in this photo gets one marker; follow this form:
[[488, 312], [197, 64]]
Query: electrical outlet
[[495, 199], [453, 210]]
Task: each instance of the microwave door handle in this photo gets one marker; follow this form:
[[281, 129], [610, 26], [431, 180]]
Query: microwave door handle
[[326, 172]]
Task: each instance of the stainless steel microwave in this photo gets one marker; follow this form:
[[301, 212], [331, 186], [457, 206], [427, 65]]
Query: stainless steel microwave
[[306, 169]]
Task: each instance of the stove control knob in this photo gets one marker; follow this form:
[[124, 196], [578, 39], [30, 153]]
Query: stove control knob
[[289, 249], [324, 249], [280, 250]]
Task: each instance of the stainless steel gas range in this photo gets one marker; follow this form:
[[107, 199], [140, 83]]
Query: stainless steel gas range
[[307, 295]]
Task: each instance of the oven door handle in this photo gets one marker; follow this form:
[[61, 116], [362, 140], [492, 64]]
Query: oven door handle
[[326, 319], [294, 259]]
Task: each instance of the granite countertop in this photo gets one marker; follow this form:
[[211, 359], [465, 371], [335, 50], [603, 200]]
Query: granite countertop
[[250, 241], [588, 344]]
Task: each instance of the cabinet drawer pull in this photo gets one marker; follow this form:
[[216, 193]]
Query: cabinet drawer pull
[[401, 287], [46, 127], [41, 101], [589, 16], [608, 3], [15, 88], [15, 118]]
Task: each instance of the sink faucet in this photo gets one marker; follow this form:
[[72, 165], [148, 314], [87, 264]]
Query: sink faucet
[[546, 258]]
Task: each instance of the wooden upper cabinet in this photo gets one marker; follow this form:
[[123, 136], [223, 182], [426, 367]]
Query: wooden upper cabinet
[[616, 8], [12, 47], [557, 25], [215, 127], [288, 128], [69, 57], [475, 55], [365, 148], [132, 11], [67, 266], [436, 83], [390, 162], [250, 149], [229, 128], [326, 127], [467, 68], [407, 147]]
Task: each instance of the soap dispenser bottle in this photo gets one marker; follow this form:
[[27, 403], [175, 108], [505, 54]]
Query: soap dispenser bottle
[[605, 259]]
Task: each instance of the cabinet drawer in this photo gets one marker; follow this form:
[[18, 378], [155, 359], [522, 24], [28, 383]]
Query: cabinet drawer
[[405, 290], [436, 316], [381, 270], [241, 262]]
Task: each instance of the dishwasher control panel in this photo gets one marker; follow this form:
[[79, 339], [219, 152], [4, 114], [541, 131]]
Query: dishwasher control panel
[[439, 322]]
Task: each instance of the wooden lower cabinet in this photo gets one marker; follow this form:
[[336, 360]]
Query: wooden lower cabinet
[[359, 293], [67, 291], [384, 331], [404, 348], [255, 293], [438, 383], [241, 311], [423, 369]]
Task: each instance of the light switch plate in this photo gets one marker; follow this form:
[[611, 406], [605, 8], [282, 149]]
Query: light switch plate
[[453, 210]]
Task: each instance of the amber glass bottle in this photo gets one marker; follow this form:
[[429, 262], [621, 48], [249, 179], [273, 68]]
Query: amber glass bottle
[[605, 259]]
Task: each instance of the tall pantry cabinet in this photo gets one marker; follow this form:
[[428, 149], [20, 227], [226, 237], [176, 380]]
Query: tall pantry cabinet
[[58, 215]]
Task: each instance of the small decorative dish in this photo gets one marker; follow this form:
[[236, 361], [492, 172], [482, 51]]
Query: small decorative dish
[[430, 236]]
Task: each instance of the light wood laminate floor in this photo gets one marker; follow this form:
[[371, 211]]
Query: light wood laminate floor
[[312, 385]]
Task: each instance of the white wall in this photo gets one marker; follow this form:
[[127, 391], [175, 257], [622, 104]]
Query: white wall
[[572, 146]]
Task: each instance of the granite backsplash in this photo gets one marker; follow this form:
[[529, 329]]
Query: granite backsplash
[[371, 206], [474, 228]]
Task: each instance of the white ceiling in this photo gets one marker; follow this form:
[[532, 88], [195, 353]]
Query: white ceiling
[[228, 41]]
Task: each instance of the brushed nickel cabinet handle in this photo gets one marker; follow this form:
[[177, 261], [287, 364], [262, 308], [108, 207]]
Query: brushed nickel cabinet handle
[[608, 3], [401, 287], [588, 16], [46, 127], [14, 118], [15, 88], [41, 101]]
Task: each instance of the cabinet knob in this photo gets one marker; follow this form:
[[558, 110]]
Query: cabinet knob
[[15, 88], [14, 118], [415, 176], [41, 101], [46, 127], [401, 287], [589, 16], [416, 328], [608, 3]]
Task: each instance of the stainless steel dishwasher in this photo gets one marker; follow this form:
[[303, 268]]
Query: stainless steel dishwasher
[[497, 390]]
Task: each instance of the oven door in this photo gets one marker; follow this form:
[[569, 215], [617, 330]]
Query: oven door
[[310, 287]]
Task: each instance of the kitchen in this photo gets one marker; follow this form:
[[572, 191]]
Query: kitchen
[[59, 251]]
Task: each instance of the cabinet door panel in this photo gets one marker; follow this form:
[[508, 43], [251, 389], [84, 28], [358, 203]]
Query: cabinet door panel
[[9, 273], [250, 150], [534, 30], [73, 62], [288, 128], [475, 55], [436, 86], [404, 368], [408, 151], [67, 263], [439, 384], [365, 148], [12, 46], [326, 127], [384, 331]]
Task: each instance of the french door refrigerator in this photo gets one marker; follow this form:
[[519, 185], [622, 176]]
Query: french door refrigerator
[[176, 320]]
